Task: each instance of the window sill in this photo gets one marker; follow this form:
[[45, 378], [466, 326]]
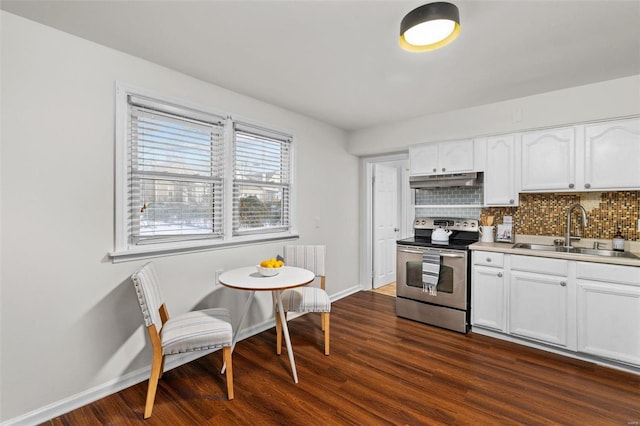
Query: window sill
[[158, 250]]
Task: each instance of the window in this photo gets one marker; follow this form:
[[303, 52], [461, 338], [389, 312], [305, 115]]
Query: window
[[261, 180], [188, 178], [176, 180]]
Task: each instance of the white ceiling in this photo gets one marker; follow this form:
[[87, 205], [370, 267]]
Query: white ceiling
[[339, 61]]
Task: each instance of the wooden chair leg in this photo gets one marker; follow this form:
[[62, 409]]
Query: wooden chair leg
[[325, 322], [156, 367], [161, 368], [226, 355]]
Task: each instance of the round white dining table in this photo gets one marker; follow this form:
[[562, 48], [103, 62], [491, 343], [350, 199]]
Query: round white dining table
[[249, 279]]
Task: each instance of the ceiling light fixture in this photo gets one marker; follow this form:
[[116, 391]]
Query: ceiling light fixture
[[429, 27]]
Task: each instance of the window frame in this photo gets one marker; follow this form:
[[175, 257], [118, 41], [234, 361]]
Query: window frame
[[124, 249], [265, 137]]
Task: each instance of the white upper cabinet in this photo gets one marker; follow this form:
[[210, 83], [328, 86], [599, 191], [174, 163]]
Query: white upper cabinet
[[612, 155], [501, 184], [423, 159], [590, 157], [549, 160], [455, 157], [442, 158]]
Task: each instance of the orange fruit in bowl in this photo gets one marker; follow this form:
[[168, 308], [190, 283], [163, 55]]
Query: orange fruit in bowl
[[271, 263]]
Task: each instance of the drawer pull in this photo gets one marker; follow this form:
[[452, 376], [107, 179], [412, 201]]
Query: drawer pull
[[488, 260]]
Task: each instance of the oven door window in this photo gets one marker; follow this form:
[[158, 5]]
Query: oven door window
[[445, 278]]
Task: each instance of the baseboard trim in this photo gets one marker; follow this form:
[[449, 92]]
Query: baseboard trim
[[95, 393]]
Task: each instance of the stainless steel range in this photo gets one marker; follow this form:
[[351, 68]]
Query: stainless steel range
[[433, 272]]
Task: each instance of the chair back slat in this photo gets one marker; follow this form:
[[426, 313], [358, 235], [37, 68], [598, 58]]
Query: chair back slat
[[307, 257], [147, 288]]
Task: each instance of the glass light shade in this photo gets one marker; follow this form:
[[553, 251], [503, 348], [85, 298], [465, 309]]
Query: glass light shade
[[429, 32]]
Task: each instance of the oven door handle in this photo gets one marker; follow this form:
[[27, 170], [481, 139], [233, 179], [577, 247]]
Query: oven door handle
[[452, 255], [403, 250]]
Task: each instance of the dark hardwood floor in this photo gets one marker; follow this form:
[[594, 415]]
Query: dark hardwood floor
[[382, 370]]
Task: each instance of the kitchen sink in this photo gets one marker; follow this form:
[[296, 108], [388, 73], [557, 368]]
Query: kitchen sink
[[579, 250], [543, 247]]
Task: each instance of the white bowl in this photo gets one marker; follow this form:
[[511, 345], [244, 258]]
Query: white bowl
[[267, 272]]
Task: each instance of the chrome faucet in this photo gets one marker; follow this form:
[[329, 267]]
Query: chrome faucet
[[585, 222]]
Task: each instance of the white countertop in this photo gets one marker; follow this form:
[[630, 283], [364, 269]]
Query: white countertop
[[508, 248]]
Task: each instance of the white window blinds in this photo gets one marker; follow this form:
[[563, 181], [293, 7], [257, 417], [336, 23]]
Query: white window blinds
[[176, 172], [261, 180]]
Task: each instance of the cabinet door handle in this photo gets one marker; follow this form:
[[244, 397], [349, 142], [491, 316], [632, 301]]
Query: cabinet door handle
[[512, 201], [563, 283], [571, 185], [443, 169], [587, 185], [499, 274], [435, 170]]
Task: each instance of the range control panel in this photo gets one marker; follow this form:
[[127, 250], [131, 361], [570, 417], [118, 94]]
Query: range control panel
[[453, 224]]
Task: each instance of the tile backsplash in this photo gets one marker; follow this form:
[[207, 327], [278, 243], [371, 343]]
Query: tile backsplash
[[546, 214], [540, 213], [463, 201]]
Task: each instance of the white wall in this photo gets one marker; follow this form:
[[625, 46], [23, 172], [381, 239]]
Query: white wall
[[608, 99], [70, 323]]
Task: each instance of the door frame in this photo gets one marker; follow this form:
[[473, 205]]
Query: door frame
[[366, 212]]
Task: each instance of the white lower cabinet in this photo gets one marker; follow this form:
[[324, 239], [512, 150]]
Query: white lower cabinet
[[488, 292], [609, 311], [538, 307], [579, 307], [488, 298]]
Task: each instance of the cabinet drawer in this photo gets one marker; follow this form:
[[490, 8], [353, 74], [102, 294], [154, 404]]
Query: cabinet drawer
[[609, 273], [488, 258], [540, 265]]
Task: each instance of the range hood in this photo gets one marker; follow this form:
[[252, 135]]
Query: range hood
[[443, 181]]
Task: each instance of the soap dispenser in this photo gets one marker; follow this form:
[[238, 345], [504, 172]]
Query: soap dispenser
[[618, 241]]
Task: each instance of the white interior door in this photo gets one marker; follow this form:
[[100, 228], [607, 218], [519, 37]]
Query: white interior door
[[385, 224]]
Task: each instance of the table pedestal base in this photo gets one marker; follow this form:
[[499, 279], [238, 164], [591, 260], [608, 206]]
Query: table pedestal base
[[277, 305]]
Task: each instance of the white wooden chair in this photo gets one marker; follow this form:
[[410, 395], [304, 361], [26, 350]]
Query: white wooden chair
[[207, 329], [307, 298]]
